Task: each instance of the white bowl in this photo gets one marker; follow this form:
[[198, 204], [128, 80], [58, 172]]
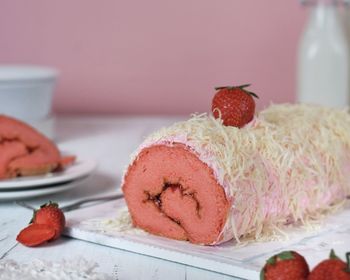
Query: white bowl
[[26, 91]]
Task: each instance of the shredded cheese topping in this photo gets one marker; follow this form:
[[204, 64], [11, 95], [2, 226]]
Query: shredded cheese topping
[[288, 165]]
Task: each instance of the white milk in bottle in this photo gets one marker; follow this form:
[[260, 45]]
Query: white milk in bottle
[[323, 70]]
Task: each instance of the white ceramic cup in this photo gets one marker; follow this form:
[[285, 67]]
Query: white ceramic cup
[[26, 93]]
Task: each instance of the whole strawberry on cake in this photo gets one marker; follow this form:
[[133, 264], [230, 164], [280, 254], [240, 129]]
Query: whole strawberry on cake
[[237, 175]]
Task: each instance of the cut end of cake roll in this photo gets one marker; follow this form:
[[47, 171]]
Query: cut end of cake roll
[[170, 192], [25, 151]]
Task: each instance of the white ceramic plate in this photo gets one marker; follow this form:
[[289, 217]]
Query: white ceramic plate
[[28, 193], [78, 170]]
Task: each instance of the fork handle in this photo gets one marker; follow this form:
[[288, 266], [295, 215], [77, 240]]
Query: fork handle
[[75, 205]]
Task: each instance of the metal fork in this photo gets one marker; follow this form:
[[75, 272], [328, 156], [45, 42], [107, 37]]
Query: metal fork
[[78, 203]]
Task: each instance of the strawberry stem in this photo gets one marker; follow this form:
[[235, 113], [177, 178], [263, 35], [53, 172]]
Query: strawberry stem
[[333, 256], [33, 217], [50, 203], [286, 255], [262, 274], [271, 260], [242, 87], [218, 88], [348, 262], [252, 93]]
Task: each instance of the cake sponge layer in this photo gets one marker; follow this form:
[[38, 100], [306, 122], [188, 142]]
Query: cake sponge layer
[[170, 192]]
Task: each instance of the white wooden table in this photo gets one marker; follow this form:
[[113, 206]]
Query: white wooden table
[[109, 140]]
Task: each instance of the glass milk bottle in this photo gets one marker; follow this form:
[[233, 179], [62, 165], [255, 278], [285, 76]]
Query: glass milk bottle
[[323, 66]]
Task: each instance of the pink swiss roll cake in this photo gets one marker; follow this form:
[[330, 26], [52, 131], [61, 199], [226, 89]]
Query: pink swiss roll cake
[[207, 183], [26, 152]]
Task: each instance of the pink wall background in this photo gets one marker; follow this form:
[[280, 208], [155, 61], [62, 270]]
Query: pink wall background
[[155, 56]]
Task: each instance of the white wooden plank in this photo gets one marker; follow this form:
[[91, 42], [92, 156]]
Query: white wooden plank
[[111, 261], [12, 219]]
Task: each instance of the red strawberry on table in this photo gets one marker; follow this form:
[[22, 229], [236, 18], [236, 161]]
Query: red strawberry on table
[[47, 224], [235, 105], [287, 265], [50, 214], [332, 269]]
